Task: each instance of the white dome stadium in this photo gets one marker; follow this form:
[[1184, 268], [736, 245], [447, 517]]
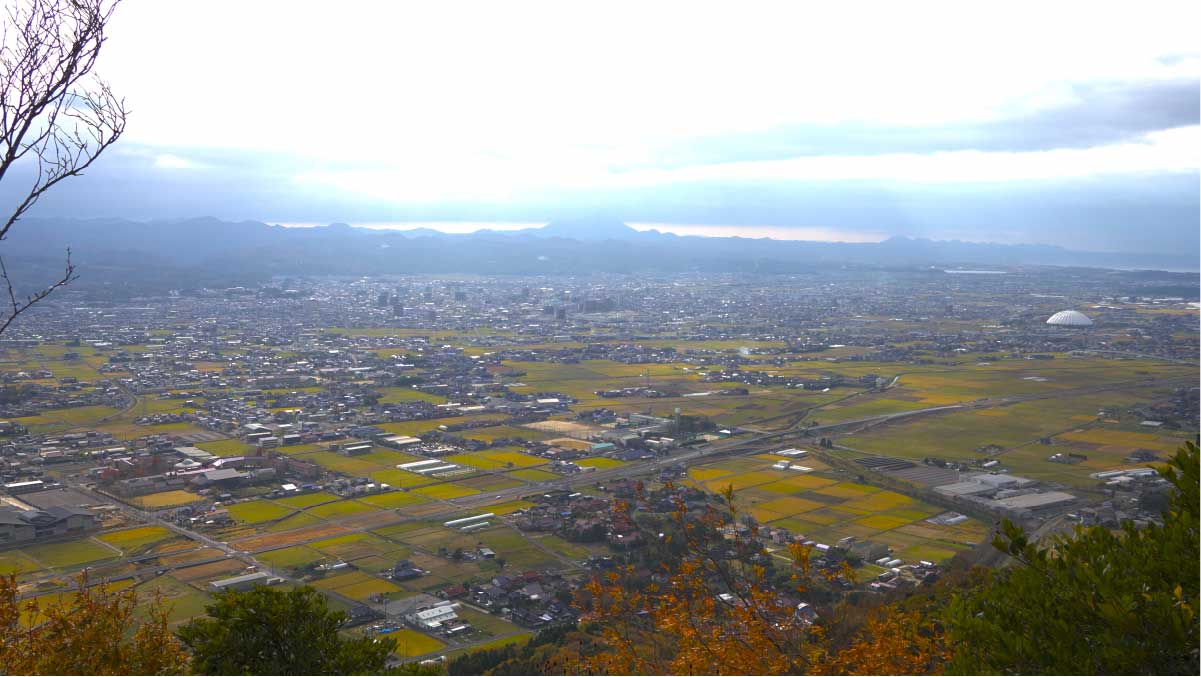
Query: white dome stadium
[[1070, 318]]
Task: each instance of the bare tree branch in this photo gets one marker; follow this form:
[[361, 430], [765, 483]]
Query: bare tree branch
[[16, 307], [55, 116]]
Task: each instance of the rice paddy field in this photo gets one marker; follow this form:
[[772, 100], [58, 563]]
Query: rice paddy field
[[412, 643], [226, 447], [1069, 424], [63, 555], [497, 459], [137, 539], [371, 533], [918, 387], [826, 506], [166, 499]]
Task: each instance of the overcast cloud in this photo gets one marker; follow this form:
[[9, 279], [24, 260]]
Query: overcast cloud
[[1073, 124]]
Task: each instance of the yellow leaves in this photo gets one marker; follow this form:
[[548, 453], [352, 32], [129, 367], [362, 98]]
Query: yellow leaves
[[94, 633], [800, 556]]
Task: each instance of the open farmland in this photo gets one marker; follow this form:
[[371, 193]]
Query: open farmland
[[69, 554], [138, 538], [496, 459], [1019, 431], [166, 499], [518, 397], [826, 507]]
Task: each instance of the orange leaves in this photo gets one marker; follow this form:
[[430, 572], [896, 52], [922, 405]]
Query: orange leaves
[[712, 615], [722, 613], [893, 642]]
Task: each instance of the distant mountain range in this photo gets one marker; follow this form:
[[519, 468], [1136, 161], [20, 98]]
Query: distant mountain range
[[206, 251]]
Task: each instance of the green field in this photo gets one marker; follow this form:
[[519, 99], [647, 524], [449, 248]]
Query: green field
[[394, 499], [444, 491], [68, 554], [534, 475], [292, 558], [14, 562], [339, 509], [129, 540], [252, 512], [306, 500], [496, 460], [226, 447], [1018, 429]]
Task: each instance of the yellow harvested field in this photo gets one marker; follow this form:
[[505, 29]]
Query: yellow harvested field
[[746, 479], [808, 481], [367, 589], [599, 462], [342, 580], [166, 499], [830, 516], [412, 643], [1123, 438], [130, 539], [570, 443], [882, 522], [790, 505], [705, 474], [879, 502], [847, 490]]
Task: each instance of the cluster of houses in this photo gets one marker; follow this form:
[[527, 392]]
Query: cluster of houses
[[67, 393], [531, 599]]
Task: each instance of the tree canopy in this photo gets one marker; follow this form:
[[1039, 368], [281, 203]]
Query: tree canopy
[[1094, 602], [270, 632]]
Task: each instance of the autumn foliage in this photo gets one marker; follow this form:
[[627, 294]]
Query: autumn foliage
[[95, 631], [708, 613], [892, 642]]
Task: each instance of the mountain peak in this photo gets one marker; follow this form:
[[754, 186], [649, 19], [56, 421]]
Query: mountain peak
[[586, 229]]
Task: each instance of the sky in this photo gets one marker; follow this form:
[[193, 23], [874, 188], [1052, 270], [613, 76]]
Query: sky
[[1074, 124]]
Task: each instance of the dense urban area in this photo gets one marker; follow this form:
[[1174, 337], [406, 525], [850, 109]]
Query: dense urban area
[[449, 459]]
